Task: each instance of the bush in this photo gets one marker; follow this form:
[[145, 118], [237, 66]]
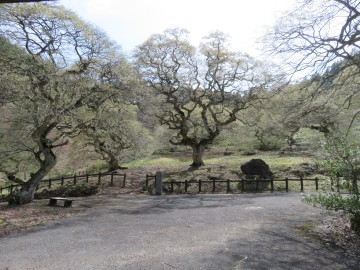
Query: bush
[[268, 142], [342, 159], [68, 191]]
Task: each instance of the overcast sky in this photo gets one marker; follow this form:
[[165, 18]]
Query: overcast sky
[[131, 22]]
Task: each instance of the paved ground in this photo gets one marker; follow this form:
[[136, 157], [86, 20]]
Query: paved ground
[[245, 231]]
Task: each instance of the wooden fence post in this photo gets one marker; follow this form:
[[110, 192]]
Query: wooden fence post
[[172, 186], [186, 186], [99, 178], [199, 186], [87, 178], [112, 179], [74, 179], [227, 186], [49, 183], [317, 184], [124, 181], [213, 185], [62, 180], [147, 180], [302, 184], [287, 184], [158, 183]]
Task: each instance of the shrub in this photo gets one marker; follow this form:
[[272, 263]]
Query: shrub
[[341, 160], [68, 191]]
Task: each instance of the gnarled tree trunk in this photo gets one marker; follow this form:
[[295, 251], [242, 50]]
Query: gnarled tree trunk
[[28, 190], [198, 151], [108, 155], [113, 162], [46, 159]]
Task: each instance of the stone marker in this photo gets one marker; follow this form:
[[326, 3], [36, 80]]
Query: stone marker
[[158, 183]]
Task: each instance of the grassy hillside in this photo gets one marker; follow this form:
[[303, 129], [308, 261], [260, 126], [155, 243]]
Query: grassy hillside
[[226, 166]]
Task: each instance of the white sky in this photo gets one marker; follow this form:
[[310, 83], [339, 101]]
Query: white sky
[[131, 22]]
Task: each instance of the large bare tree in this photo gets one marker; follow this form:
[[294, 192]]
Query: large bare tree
[[54, 66], [202, 90]]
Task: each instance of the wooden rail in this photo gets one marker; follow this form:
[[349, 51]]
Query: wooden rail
[[242, 183], [74, 179]]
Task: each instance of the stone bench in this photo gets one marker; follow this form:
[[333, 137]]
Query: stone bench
[[53, 201]]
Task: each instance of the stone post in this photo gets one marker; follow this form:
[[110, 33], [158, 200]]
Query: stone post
[[158, 183]]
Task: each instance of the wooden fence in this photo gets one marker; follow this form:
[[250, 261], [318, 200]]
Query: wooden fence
[[148, 177], [169, 185], [74, 179]]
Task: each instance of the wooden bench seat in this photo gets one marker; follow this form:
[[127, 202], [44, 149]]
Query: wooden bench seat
[[53, 201]]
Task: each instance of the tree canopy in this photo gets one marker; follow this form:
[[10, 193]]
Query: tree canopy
[[318, 33], [203, 89], [58, 65]]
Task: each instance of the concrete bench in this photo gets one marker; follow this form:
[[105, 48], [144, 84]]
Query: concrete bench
[[53, 201]]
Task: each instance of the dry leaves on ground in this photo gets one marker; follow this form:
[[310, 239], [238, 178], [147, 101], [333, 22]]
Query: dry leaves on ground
[[334, 230], [338, 232], [23, 218]]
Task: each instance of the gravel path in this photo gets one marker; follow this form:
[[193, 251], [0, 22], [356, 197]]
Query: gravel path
[[245, 231]]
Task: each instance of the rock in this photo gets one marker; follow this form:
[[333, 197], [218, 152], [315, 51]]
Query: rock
[[257, 167], [249, 153]]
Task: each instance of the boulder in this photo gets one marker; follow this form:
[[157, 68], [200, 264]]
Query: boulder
[[257, 167]]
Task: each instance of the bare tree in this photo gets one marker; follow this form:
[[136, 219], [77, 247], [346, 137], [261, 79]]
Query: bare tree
[[318, 42], [317, 33], [202, 90], [58, 66]]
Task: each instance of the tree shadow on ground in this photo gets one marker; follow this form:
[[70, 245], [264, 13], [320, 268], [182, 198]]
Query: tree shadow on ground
[[282, 248]]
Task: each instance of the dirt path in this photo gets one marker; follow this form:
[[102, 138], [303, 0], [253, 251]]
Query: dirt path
[[246, 231]]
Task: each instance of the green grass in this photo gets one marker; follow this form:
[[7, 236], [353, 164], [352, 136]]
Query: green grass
[[277, 163], [153, 161], [272, 159], [176, 167]]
